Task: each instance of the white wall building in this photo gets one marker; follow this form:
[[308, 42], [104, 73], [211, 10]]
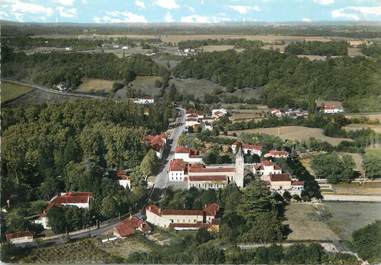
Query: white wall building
[[247, 148], [19, 237], [146, 100], [265, 169], [277, 154], [188, 155]]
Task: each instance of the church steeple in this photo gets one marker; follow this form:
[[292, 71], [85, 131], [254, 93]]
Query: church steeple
[[239, 168]]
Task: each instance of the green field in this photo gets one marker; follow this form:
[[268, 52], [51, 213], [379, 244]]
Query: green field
[[375, 151], [11, 91]]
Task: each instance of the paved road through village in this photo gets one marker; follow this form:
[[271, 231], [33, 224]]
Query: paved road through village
[[161, 180]]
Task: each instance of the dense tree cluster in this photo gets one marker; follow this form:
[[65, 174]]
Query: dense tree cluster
[[238, 43], [288, 80], [372, 165], [68, 68], [332, 48], [74, 146], [372, 50], [367, 242]]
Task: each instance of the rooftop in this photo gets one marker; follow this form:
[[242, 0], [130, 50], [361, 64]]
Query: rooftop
[[280, 177]]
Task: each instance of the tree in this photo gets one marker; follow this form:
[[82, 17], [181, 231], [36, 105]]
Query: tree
[[367, 242], [149, 163], [57, 220], [116, 86], [372, 165], [208, 254], [203, 236]]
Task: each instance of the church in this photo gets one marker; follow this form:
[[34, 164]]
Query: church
[[207, 176]]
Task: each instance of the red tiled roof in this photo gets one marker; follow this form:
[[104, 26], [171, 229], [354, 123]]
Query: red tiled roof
[[155, 141], [71, 197], [121, 174], [267, 163], [154, 209], [177, 165], [277, 153], [77, 193], [182, 149], [207, 178], [10, 236], [212, 209], [252, 146], [201, 168], [128, 226], [280, 177], [297, 183]]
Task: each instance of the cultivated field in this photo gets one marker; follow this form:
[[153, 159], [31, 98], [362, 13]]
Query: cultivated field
[[298, 133], [10, 91], [370, 116], [83, 252], [356, 127], [247, 114], [143, 84], [368, 188], [376, 151], [350, 216], [196, 87], [307, 224], [90, 85]]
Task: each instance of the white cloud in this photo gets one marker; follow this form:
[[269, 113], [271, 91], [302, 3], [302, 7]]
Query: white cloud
[[168, 18], [64, 2], [324, 2], [19, 9], [306, 19], [3, 14], [203, 19], [140, 4], [244, 9], [357, 12], [167, 4], [66, 12], [191, 9], [120, 17]]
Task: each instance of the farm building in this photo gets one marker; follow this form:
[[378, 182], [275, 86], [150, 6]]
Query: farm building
[[157, 143], [123, 179], [19, 237], [128, 226], [247, 148]]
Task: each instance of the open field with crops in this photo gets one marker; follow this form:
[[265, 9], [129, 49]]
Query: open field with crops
[[347, 217], [10, 91], [90, 85], [307, 224], [370, 116], [81, 252], [376, 151], [368, 188], [356, 127], [142, 84], [299, 133]]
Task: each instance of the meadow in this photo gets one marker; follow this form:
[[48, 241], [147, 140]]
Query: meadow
[[11, 91], [90, 85]]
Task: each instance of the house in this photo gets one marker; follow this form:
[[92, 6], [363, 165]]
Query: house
[[75, 199], [208, 182], [192, 122], [277, 113], [330, 107], [145, 100], [177, 170], [282, 182], [128, 226], [157, 143], [277, 154], [19, 237], [183, 219], [247, 148], [188, 155], [123, 179], [218, 113], [265, 169]]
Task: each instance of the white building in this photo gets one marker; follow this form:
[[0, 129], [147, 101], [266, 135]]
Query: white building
[[247, 148], [277, 154], [146, 100], [282, 182], [218, 113], [157, 143], [332, 109], [265, 169], [182, 219], [19, 237], [188, 155], [177, 171], [123, 179]]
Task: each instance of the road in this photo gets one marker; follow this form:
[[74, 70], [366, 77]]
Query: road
[[53, 91], [161, 181]]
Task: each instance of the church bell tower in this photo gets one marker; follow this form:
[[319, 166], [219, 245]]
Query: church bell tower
[[239, 168]]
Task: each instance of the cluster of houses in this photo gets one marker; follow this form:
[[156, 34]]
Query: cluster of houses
[[144, 100], [194, 120], [291, 113], [157, 143]]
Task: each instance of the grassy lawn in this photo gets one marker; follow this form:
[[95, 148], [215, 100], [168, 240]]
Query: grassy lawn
[[298, 133], [375, 151], [368, 188], [356, 127], [11, 91], [307, 224], [347, 217], [83, 251], [92, 85]]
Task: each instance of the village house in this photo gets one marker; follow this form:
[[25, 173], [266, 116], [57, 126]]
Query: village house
[[283, 182], [265, 169], [183, 219], [188, 155], [123, 179], [208, 177], [277, 113], [128, 226], [277, 154], [247, 148], [219, 113], [157, 143], [19, 237], [75, 199], [143, 101], [330, 107]]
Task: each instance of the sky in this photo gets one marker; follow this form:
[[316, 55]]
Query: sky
[[189, 11]]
